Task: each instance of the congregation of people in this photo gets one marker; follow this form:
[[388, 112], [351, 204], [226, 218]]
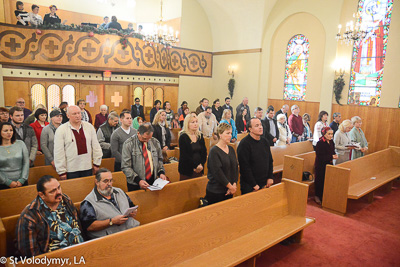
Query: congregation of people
[[75, 146]]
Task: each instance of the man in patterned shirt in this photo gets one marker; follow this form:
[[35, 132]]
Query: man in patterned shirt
[[49, 222]]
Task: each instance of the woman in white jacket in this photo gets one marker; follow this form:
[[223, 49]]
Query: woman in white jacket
[[341, 139], [284, 133]]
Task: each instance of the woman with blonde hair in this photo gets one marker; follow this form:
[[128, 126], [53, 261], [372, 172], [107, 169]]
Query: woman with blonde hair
[[284, 131], [342, 142], [161, 129], [192, 149], [222, 167], [357, 136], [227, 118]]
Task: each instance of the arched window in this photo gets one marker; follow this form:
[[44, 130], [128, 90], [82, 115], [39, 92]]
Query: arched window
[[159, 94], [148, 99], [296, 68], [53, 97], [38, 93], [68, 94], [138, 92], [369, 52]]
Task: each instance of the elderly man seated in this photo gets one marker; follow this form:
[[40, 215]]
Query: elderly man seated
[[49, 222], [102, 211]]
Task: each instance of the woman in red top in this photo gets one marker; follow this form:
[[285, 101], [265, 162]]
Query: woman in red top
[[41, 121]]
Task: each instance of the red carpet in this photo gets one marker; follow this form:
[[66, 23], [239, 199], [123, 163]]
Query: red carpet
[[369, 235]]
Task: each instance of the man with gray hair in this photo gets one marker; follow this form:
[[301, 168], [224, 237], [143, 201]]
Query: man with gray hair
[[104, 134], [241, 107], [102, 211], [142, 159], [284, 110], [77, 152], [296, 124], [336, 121]]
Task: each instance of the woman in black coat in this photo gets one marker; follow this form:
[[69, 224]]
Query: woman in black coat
[[154, 110], [241, 123], [192, 149], [217, 109], [161, 130], [51, 18], [324, 155]]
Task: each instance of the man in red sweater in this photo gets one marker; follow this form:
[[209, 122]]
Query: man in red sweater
[[296, 124]]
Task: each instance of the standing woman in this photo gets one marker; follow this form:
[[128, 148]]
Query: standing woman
[[51, 18], [101, 117], [47, 136], [222, 167], [154, 110], [161, 130], [321, 123], [284, 131], [192, 149], [227, 118], [241, 122], [342, 140], [22, 16], [357, 136], [217, 109], [14, 158], [39, 124], [169, 113], [307, 133], [183, 106], [34, 16], [324, 155]]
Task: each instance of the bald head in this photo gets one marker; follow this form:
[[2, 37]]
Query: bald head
[[74, 114], [20, 102], [285, 108], [245, 101]]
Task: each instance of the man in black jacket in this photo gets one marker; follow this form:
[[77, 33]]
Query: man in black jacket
[[228, 105], [271, 131], [137, 109]]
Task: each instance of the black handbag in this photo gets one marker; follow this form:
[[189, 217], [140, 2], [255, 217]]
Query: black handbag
[[203, 202], [307, 176]]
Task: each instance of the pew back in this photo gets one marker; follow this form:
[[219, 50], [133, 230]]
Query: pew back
[[206, 236], [13, 201], [279, 152], [39, 161], [36, 172], [294, 166], [171, 171], [108, 164], [175, 137]]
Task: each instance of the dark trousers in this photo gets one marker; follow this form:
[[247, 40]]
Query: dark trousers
[[183, 177], [246, 188], [319, 181], [215, 198], [117, 166], [79, 174]]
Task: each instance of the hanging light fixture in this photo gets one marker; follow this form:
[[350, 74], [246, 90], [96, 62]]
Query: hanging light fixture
[[161, 33], [353, 31]]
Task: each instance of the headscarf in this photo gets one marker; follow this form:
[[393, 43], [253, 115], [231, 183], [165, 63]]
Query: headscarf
[[135, 123], [323, 132]]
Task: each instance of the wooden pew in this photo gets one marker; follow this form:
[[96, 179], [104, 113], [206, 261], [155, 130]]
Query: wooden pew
[[206, 236], [172, 200], [294, 166], [35, 173], [171, 171], [241, 136], [13, 201], [175, 137], [279, 152], [357, 178], [108, 164], [39, 161]]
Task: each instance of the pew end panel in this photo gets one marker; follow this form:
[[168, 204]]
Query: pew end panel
[[395, 155], [337, 181], [171, 171], [297, 194], [177, 152], [293, 168]]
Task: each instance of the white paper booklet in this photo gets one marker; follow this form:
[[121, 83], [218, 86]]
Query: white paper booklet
[[158, 184]]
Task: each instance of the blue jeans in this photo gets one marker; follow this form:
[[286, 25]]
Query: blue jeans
[[294, 139]]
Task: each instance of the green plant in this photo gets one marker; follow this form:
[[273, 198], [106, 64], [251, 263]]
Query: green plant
[[231, 86], [338, 85]]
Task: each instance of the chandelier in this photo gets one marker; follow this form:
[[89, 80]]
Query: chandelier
[[161, 34], [353, 32]]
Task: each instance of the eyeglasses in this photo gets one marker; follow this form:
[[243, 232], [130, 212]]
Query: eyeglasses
[[107, 181], [21, 102]]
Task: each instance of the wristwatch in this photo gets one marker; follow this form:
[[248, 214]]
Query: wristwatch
[[110, 223]]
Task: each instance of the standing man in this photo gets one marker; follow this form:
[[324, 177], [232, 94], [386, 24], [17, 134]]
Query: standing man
[[47, 136], [296, 124], [142, 159], [49, 222], [104, 134], [85, 114], [102, 211], [21, 103], [336, 121], [137, 109], [271, 127], [284, 110], [119, 137], [202, 107], [228, 105], [243, 105], [208, 123], [255, 159], [77, 152], [63, 108], [25, 132]]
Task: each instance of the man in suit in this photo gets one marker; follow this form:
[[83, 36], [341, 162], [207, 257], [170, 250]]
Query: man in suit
[[228, 105], [271, 127], [137, 109], [283, 110]]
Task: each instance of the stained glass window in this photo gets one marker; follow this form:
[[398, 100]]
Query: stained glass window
[[68, 94], [296, 68], [369, 53], [38, 93], [53, 97]]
